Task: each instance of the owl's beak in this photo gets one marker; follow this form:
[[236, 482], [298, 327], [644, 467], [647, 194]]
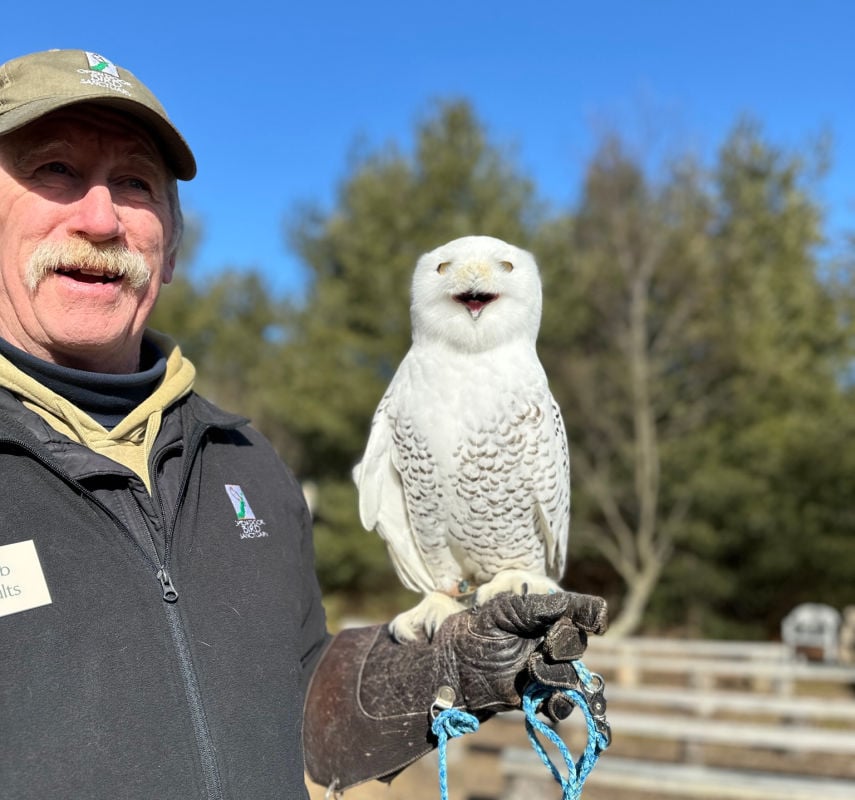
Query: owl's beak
[[475, 302]]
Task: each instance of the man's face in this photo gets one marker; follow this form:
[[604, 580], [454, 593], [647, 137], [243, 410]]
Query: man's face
[[74, 184]]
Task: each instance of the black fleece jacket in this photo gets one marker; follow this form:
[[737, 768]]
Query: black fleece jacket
[[111, 691]]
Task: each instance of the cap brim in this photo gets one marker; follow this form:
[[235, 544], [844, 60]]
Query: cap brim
[[176, 152]]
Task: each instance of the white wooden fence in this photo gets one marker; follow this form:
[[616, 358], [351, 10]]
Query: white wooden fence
[[693, 698]]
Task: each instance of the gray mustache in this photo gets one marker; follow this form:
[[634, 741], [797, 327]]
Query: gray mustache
[[111, 260]]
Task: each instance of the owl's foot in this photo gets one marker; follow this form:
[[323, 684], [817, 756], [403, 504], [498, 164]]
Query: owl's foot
[[425, 618], [518, 581]]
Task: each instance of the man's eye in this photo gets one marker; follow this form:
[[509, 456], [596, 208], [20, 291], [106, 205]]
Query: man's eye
[[138, 184], [56, 167]]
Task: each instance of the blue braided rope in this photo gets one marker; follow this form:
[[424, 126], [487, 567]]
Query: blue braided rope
[[586, 677], [453, 722], [450, 723], [577, 771]]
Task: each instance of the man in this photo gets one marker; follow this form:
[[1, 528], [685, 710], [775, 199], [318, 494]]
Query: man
[[161, 627]]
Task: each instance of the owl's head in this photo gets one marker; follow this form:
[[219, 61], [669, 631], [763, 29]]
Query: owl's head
[[475, 293]]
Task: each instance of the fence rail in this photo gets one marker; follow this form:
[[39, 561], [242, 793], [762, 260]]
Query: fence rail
[[632, 667], [523, 771], [703, 703]]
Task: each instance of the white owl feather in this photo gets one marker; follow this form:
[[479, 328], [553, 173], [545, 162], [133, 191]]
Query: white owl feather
[[466, 473]]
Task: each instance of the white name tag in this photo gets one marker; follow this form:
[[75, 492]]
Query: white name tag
[[22, 582]]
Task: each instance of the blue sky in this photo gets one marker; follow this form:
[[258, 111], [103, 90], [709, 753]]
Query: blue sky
[[272, 96]]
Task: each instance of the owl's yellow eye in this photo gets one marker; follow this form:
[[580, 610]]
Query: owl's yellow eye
[[506, 266], [443, 267]]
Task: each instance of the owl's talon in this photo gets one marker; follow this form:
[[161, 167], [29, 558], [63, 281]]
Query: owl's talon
[[518, 581], [424, 618]]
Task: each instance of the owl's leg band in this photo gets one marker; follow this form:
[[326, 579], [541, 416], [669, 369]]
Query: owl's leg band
[[368, 707]]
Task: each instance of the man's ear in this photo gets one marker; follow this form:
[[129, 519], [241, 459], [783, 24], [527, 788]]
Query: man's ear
[[168, 270]]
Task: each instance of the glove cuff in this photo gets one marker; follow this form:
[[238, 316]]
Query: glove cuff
[[368, 708]]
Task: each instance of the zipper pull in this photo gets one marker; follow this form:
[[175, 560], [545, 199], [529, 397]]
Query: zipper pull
[[170, 594]]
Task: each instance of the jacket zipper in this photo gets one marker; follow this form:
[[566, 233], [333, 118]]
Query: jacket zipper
[[204, 742], [167, 588]]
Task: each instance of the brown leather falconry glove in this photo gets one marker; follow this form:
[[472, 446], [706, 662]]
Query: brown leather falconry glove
[[368, 709]]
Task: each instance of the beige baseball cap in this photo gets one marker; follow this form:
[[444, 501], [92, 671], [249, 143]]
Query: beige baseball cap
[[35, 84]]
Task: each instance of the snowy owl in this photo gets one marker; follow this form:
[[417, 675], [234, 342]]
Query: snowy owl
[[466, 472]]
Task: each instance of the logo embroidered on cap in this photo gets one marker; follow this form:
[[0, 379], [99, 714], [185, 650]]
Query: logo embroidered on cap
[[251, 527], [102, 65], [103, 73]]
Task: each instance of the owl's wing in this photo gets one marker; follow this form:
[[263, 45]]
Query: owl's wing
[[383, 503], [552, 487]]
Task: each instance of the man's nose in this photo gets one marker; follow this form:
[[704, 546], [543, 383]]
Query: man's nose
[[95, 215]]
